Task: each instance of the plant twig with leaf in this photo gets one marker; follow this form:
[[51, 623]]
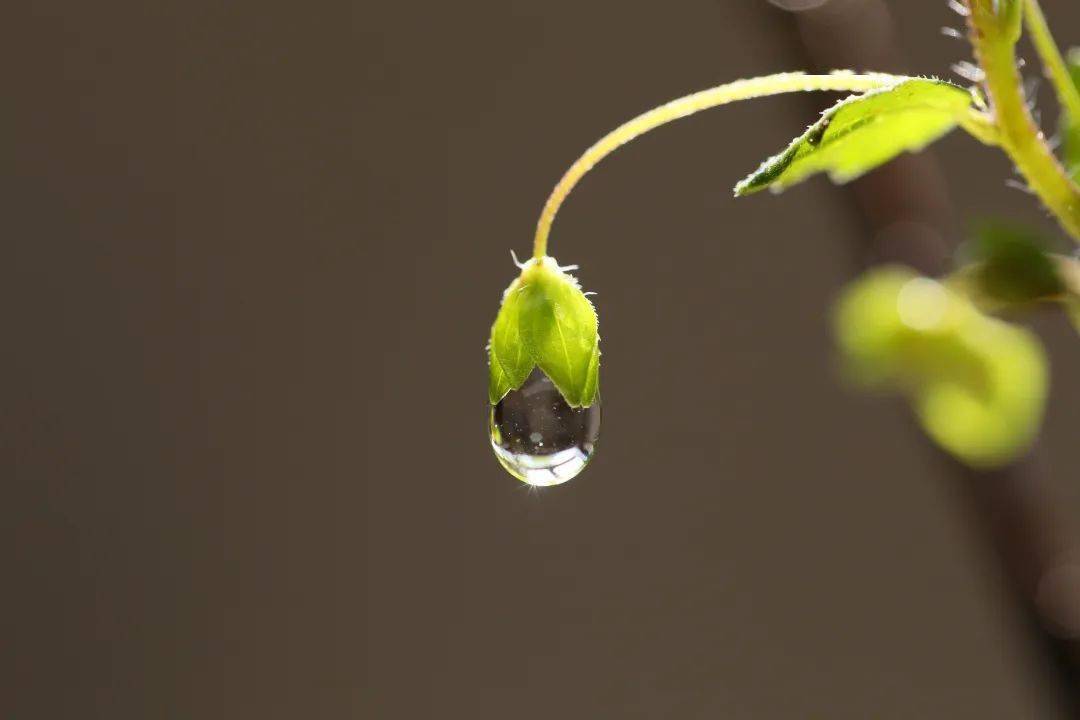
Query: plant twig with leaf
[[976, 383]]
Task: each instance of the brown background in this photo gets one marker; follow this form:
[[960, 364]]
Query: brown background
[[252, 254]]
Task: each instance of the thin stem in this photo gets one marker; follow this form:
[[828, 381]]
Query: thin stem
[[981, 126], [1019, 135], [1056, 70], [688, 105]]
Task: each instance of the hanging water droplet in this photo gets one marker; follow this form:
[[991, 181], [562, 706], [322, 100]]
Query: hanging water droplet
[[540, 439]]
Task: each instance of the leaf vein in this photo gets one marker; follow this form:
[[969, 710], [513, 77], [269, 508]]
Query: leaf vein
[[566, 352]]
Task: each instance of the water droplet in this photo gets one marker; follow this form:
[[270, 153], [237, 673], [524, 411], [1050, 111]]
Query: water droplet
[[819, 132], [540, 439]]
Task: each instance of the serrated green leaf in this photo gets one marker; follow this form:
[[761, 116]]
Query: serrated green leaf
[[1070, 127], [509, 362], [558, 326], [862, 132], [977, 384]]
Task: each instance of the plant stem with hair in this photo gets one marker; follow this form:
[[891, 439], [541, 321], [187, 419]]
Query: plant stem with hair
[[1019, 135], [682, 107]]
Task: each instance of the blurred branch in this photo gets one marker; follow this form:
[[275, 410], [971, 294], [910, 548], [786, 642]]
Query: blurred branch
[[907, 213]]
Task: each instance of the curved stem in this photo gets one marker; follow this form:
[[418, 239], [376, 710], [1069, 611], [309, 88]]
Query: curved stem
[[688, 105], [1019, 136], [1056, 70]]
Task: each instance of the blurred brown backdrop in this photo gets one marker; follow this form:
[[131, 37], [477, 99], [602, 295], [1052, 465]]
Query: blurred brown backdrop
[[254, 250]]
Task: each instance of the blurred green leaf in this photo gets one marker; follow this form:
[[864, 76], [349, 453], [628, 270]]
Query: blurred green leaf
[[1010, 264], [559, 328], [1070, 127], [868, 328], [1070, 271], [862, 132], [995, 427], [977, 385], [1074, 313], [509, 362]]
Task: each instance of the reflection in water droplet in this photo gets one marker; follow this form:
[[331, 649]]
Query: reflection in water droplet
[[540, 439]]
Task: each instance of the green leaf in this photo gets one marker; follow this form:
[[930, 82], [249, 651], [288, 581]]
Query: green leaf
[[868, 328], [1070, 272], [1010, 265], [1070, 127], [995, 423], [977, 385], [1074, 313], [509, 361], [558, 326], [864, 131]]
